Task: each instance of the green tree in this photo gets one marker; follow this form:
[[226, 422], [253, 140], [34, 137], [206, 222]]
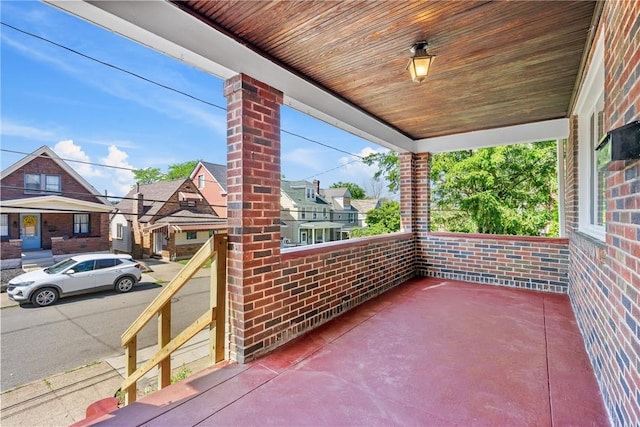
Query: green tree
[[175, 171], [385, 219], [502, 190], [388, 168], [356, 191], [498, 190], [148, 175], [180, 170]]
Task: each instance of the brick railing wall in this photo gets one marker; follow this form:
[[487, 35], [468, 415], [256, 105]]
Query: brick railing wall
[[75, 245], [11, 251], [536, 263], [319, 282]]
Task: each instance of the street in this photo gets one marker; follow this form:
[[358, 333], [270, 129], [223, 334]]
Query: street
[[76, 331]]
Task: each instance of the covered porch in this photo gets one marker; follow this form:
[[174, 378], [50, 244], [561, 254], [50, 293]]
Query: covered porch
[[429, 352], [319, 232]]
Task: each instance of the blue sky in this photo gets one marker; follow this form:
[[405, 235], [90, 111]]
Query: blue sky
[[90, 112]]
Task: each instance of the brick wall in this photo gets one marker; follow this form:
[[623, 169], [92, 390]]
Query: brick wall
[[536, 263], [415, 193], [253, 204], [13, 184], [605, 277], [11, 251], [317, 283], [97, 241]]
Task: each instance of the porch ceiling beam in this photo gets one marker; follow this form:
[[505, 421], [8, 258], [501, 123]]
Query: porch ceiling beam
[[530, 132], [165, 28]]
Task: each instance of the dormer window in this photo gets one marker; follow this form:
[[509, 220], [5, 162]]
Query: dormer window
[[189, 200], [311, 193]]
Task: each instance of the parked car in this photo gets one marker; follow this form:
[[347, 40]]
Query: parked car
[[76, 275]]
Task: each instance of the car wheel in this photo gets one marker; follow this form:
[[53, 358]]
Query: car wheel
[[44, 297], [124, 284]]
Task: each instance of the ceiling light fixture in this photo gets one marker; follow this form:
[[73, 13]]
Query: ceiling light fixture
[[420, 62]]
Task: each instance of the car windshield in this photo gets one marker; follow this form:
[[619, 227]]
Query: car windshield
[[61, 266]]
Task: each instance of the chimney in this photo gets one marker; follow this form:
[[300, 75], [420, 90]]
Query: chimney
[[316, 183], [138, 204]]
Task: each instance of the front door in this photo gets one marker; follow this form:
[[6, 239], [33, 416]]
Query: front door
[[30, 231], [158, 240]]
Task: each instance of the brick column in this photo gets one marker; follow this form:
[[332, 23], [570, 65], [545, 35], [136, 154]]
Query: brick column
[[414, 201], [253, 210], [408, 185]]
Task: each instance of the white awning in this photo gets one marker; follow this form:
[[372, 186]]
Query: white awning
[[52, 204]]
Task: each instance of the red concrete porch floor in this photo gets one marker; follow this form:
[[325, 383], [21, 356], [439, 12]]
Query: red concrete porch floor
[[427, 353]]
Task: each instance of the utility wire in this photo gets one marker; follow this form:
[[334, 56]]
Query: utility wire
[[148, 80], [79, 211], [145, 200], [136, 170], [115, 67]]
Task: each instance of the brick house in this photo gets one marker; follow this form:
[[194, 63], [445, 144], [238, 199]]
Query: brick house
[[166, 219], [510, 72], [211, 180], [46, 205]]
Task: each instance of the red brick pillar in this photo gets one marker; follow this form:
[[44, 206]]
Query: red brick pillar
[[415, 191], [408, 187], [253, 210]]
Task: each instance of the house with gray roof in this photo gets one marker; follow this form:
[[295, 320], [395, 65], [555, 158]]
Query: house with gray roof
[[167, 219], [211, 180], [362, 206], [342, 210], [306, 215]]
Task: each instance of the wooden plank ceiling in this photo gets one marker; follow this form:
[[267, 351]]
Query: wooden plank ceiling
[[498, 63]]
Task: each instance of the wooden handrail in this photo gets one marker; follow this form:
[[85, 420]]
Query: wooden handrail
[[202, 322], [168, 292], [214, 249]]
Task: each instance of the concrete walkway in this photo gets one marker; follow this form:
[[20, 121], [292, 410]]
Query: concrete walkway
[[62, 399]]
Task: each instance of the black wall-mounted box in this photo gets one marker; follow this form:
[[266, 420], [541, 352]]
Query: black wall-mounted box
[[622, 143]]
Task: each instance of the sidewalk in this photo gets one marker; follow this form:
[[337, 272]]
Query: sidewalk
[[62, 399]]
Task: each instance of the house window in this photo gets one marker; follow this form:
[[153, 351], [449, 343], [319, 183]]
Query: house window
[[314, 214], [119, 231], [591, 180], [200, 181], [352, 217], [34, 182], [324, 213], [347, 202], [303, 213], [80, 223], [4, 225], [192, 235], [311, 193], [52, 183]]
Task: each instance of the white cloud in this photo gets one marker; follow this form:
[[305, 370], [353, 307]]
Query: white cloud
[[67, 150], [359, 171], [120, 179], [10, 128]]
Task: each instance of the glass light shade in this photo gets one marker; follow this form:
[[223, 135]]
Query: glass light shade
[[419, 67]]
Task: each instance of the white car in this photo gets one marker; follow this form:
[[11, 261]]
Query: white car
[[76, 275]]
